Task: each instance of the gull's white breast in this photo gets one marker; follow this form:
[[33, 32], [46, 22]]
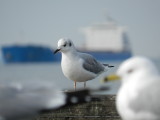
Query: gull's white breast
[[72, 68]]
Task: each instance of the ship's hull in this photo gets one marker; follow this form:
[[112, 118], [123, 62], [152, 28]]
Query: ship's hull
[[24, 54]]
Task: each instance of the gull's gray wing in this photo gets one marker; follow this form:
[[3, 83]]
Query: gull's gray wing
[[22, 101], [148, 100], [90, 64]]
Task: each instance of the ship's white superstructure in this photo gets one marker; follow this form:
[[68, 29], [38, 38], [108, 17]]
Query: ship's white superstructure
[[107, 36]]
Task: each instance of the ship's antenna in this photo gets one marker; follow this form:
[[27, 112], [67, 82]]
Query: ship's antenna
[[108, 18]]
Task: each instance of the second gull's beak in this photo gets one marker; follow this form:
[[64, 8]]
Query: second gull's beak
[[111, 78]]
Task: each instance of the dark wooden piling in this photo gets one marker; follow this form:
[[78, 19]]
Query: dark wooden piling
[[100, 108]]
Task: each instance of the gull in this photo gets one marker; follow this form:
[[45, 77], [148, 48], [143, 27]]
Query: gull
[[77, 66], [139, 94]]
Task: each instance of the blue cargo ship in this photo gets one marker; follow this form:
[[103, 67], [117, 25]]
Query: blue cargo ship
[[105, 41]]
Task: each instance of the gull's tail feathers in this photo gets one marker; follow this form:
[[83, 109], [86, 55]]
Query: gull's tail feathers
[[109, 66]]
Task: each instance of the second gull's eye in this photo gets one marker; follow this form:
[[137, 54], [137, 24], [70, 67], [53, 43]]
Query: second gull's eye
[[130, 71]]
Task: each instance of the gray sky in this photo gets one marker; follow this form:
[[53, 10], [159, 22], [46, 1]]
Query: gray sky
[[48, 20]]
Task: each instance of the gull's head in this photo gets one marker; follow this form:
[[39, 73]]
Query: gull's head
[[135, 66], [64, 45]]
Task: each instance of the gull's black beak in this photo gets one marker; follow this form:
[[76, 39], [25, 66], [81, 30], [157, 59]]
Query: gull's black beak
[[56, 51]]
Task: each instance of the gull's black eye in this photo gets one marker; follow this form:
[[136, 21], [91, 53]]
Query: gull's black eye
[[64, 45]]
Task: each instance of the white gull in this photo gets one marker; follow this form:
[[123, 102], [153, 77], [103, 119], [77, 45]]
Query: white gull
[[139, 95], [77, 66]]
